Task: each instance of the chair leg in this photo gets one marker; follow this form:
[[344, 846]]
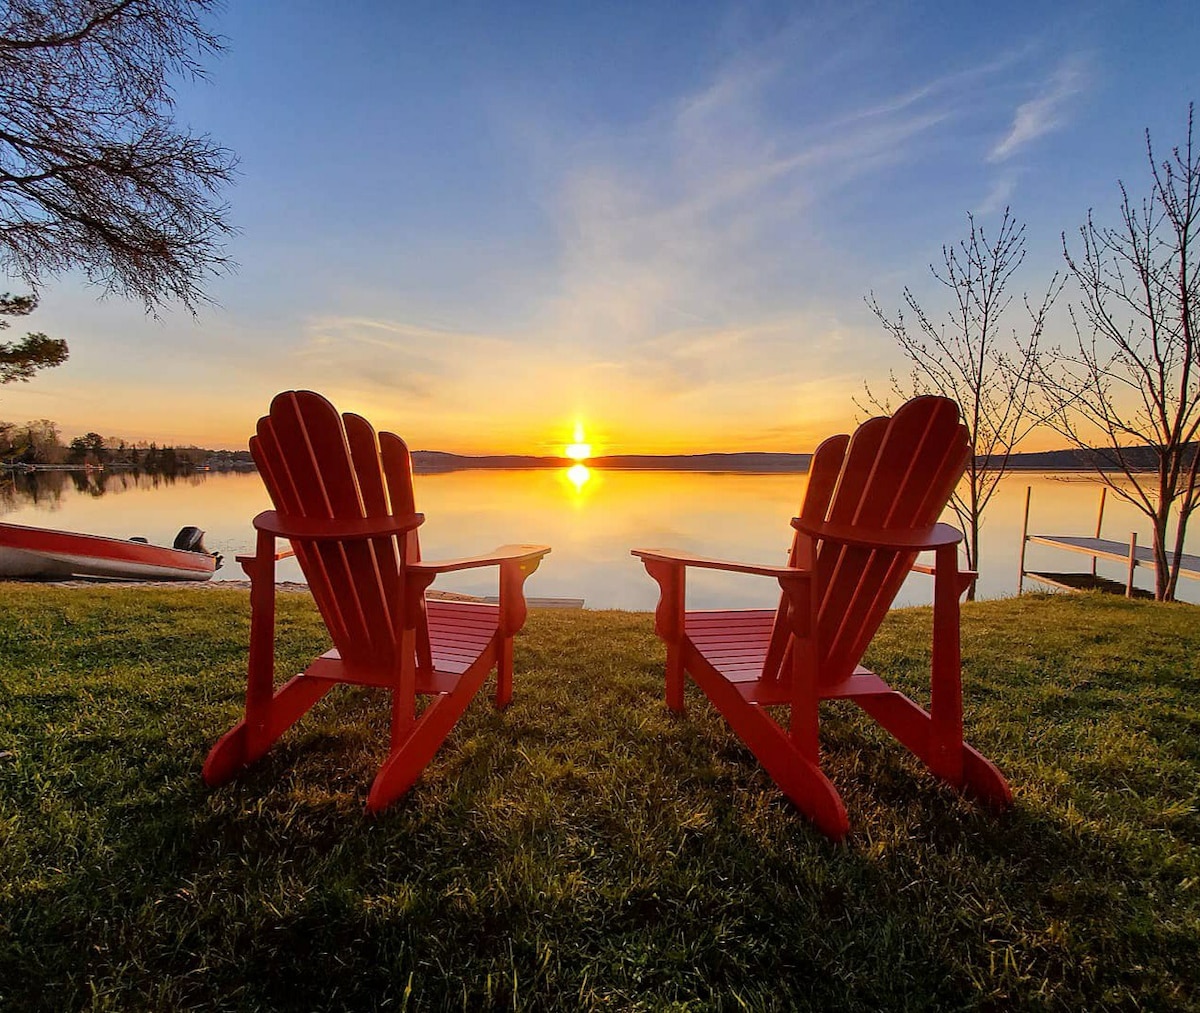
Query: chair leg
[[801, 780], [268, 713], [936, 736], [984, 780], [504, 673], [411, 755], [249, 741], [804, 727], [961, 765], [808, 788], [404, 695], [669, 621], [675, 678]]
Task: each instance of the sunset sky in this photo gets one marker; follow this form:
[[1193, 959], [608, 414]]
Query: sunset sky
[[478, 224]]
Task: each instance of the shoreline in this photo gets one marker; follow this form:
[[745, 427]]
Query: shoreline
[[286, 586], [283, 586]]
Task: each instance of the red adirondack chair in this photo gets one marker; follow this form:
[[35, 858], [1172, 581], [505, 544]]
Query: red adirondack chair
[[872, 504], [344, 499]]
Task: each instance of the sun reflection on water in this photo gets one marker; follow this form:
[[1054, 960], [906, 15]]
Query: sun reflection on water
[[578, 476]]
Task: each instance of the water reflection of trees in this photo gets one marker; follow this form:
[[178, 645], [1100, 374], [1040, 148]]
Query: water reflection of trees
[[44, 489]]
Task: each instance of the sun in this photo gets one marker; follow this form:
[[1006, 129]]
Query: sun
[[579, 451]]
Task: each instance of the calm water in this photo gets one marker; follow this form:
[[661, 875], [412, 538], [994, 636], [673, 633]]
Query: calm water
[[591, 525]]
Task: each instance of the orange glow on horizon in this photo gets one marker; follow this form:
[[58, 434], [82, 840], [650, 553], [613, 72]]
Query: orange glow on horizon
[[617, 421]]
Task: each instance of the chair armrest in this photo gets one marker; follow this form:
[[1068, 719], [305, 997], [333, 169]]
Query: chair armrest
[[503, 554], [516, 562], [919, 539], [668, 568], [325, 529], [250, 557], [688, 559], [931, 570]]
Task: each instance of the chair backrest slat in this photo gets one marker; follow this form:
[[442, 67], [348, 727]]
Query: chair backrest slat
[[918, 465], [278, 471], [893, 473], [378, 579], [823, 473], [398, 473], [839, 568], [882, 577], [311, 436], [316, 463]]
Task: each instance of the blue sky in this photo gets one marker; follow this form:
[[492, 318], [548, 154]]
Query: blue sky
[[480, 223]]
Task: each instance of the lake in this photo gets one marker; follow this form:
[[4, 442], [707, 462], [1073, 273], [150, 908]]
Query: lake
[[590, 521]]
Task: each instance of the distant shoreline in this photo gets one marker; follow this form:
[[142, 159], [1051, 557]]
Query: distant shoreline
[[747, 462], [434, 461], [427, 461]]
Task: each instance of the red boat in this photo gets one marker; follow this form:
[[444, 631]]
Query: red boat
[[39, 553]]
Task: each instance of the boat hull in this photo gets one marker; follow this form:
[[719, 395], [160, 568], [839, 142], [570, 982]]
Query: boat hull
[[42, 554]]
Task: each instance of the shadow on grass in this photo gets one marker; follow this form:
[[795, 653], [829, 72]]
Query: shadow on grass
[[585, 848]]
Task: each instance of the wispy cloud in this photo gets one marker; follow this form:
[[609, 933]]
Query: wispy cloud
[[998, 195], [940, 88], [1043, 113], [697, 231], [391, 355]]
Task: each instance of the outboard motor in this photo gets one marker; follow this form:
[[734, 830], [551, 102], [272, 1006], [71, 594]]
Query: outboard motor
[[191, 539]]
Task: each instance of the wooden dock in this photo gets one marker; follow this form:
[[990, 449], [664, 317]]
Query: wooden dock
[[1129, 553], [1077, 582]]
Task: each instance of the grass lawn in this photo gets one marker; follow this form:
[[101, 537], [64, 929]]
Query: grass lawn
[[584, 849]]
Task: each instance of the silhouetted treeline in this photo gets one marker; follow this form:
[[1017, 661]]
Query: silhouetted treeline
[[39, 443], [1102, 459]]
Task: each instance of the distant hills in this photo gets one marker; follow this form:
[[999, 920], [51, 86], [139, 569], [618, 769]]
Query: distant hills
[[435, 460], [765, 463], [1139, 458]]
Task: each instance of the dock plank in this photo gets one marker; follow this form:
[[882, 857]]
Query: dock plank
[[1106, 548]]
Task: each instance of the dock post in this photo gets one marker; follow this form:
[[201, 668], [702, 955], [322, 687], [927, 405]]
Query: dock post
[[1024, 537], [1099, 523], [1132, 563]]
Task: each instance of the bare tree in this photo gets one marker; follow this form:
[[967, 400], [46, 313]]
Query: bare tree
[[93, 172], [970, 357], [1132, 384]]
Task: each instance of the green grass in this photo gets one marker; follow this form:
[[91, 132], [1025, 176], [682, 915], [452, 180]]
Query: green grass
[[584, 849]]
